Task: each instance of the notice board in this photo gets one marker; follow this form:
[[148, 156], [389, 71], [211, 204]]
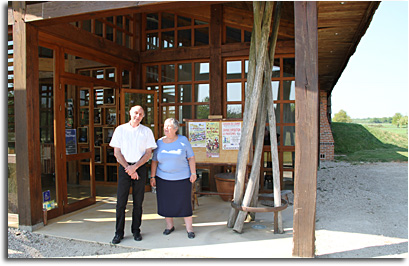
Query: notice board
[[214, 141]]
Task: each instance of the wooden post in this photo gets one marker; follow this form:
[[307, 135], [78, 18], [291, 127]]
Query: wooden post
[[307, 126], [251, 109], [216, 82], [278, 221], [26, 102], [255, 169]]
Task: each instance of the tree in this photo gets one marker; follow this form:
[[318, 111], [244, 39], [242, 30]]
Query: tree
[[403, 121], [396, 118], [342, 116]]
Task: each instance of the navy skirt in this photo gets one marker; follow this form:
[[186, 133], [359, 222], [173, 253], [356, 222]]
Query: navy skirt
[[174, 198]]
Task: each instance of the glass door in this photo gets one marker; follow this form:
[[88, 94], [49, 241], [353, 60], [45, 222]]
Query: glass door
[[148, 100], [78, 182]]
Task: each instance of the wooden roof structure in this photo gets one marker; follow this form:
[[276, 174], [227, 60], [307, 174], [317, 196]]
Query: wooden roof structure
[[341, 24]]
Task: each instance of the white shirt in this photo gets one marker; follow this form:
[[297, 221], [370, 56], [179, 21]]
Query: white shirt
[[133, 142]]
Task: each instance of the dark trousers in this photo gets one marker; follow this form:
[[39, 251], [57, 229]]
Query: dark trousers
[[138, 192]]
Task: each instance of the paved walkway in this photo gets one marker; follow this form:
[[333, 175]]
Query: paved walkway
[[213, 238]]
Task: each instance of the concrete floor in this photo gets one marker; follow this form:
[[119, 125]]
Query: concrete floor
[[213, 238]]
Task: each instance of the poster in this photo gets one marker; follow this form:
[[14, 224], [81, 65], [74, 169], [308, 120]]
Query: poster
[[70, 141], [212, 139], [197, 134], [231, 133]]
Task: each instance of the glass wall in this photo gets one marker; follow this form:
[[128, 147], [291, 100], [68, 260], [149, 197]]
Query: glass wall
[[47, 148], [183, 90]]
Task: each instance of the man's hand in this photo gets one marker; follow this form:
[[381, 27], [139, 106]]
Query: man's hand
[[130, 169], [134, 176]]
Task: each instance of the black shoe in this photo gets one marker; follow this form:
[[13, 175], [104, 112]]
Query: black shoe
[[191, 234], [137, 236], [117, 239], [168, 231]]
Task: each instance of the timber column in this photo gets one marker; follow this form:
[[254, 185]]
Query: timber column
[[26, 97], [306, 127]]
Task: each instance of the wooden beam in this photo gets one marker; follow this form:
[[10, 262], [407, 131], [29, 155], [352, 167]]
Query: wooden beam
[[216, 65], [26, 104], [83, 40], [54, 12], [306, 127]]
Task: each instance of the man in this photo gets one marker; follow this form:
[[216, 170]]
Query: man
[[133, 144]]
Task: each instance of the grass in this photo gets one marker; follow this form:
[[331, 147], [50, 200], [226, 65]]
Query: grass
[[370, 143]]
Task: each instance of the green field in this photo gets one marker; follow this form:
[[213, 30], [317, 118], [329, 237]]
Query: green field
[[370, 142]]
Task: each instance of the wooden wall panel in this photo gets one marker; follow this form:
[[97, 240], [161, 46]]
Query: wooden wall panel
[[26, 63]]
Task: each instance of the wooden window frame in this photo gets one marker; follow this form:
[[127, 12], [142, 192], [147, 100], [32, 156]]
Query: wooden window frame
[[176, 83], [175, 29]]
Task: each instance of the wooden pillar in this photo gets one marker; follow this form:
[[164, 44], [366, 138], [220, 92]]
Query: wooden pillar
[[26, 97], [216, 73], [306, 127]]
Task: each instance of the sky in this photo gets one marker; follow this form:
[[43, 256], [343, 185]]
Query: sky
[[375, 81]]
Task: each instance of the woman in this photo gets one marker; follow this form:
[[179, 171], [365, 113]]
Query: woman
[[173, 171]]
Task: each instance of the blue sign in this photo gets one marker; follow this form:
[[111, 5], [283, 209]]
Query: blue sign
[[71, 141], [46, 196]]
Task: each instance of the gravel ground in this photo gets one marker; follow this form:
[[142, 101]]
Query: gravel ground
[[367, 203]]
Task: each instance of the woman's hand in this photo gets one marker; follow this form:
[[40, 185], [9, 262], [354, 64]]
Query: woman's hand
[[153, 182], [193, 178]]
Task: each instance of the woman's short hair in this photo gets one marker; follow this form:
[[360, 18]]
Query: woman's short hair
[[175, 124]]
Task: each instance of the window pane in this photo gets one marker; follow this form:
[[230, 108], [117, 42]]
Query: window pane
[[152, 21], [168, 39], [202, 36], [185, 112], [152, 74], [185, 72], [119, 37], [289, 67], [234, 111], [288, 159], [233, 35], [168, 94], [289, 113], [110, 33], [98, 28], [277, 111], [152, 41], [289, 136], [276, 68], [168, 112], [234, 92], [184, 21], [275, 87], [202, 93], [247, 36], [119, 21], [233, 69], [246, 68], [201, 111], [168, 73], [201, 71], [184, 38], [199, 22], [168, 20], [289, 90], [185, 93]]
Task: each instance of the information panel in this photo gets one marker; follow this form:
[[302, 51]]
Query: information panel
[[214, 141]]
